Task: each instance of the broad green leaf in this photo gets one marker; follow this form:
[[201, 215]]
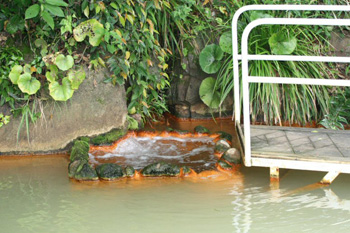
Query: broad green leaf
[[66, 25], [226, 42], [132, 123], [282, 44], [64, 62], [76, 77], [210, 57], [61, 92], [87, 12], [91, 28], [97, 9], [52, 74], [114, 5], [208, 94], [121, 20], [130, 18], [32, 11], [26, 69], [48, 19], [15, 73], [56, 2], [54, 10], [259, 15], [28, 84]]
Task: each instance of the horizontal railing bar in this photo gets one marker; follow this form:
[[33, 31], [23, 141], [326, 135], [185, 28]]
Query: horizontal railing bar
[[307, 81], [299, 58]]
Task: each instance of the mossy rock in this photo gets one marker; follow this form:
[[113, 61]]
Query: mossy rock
[[186, 170], [129, 171], [224, 135], [73, 167], [222, 146], [201, 129], [80, 151], [85, 139], [181, 132], [232, 156], [223, 164], [161, 169], [109, 171], [108, 138], [81, 170]]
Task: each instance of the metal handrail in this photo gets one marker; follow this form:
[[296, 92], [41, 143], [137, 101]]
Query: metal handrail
[[246, 79], [237, 57]]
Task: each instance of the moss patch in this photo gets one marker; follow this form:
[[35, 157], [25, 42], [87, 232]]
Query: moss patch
[[161, 169], [108, 138], [80, 151]]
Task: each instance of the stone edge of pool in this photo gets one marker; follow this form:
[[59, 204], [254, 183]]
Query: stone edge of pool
[[80, 169]]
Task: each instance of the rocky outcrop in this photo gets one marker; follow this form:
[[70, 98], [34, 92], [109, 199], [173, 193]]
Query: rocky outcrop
[[96, 108], [80, 168], [185, 101]]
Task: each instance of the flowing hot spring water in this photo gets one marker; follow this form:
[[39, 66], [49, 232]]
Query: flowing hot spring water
[[138, 152]]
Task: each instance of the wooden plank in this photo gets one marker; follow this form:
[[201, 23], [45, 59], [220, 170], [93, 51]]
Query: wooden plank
[[300, 129], [273, 155]]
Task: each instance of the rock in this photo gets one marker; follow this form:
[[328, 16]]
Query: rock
[[161, 169], [80, 151], [186, 170], [224, 135], [232, 156], [200, 110], [181, 110], [222, 146], [109, 171], [94, 109], [108, 138], [223, 142], [85, 172], [201, 129], [73, 167], [181, 132], [129, 171], [81, 170], [223, 164], [340, 44]]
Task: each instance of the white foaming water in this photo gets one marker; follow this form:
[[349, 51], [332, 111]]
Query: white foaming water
[[141, 151]]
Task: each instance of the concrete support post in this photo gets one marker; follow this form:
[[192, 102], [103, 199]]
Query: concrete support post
[[274, 173], [329, 177]]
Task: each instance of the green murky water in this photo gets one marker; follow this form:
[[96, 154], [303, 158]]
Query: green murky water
[[37, 196]]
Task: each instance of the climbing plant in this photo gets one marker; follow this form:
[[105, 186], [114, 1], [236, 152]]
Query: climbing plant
[[139, 41]]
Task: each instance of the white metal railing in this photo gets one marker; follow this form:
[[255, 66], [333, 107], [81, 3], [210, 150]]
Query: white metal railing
[[245, 57], [237, 56]]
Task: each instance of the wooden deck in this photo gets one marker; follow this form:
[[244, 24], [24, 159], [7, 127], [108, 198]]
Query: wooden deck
[[300, 148]]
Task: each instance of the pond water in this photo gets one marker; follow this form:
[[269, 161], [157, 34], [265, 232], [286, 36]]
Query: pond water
[[37, 196]]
